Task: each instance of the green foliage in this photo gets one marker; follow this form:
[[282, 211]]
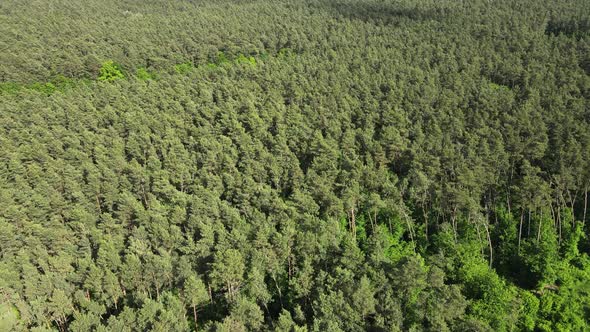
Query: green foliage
[[285, 52], [46, 88], [242, 59], [9, 317], [499, 87], [228, 271], [350, 166], [110, 71], [144, 75], [221, 58], [183, 68], [528, 310], [9, 87], [211, 66]]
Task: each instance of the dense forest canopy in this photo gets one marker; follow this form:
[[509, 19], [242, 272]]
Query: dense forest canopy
[[294, 165]]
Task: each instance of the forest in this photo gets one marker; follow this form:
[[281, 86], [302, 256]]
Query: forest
[[294, 165]]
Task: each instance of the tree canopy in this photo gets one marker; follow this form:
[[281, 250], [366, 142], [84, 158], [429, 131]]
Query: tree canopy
[[309, 165]]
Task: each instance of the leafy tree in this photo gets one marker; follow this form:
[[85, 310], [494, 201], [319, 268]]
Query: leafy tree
[[228, 271], [109, 71], [195, 293], [347, 166]]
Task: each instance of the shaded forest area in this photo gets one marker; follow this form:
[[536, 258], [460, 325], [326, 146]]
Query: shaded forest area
[[312, 165]]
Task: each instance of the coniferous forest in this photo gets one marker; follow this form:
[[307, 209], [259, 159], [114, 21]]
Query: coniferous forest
[[294, 165]]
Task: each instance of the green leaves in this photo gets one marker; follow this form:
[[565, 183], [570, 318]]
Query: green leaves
[[9, 317], [110, 71], [183, 68], [228, 271], [195, 291], [144, 74], [336, 167]]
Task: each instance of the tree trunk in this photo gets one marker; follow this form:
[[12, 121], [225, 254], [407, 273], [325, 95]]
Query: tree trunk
[[509, 184], [389, 222], [540, 225], [410, 229], [60, 323], [424, 214], [195, 316], [290, 266], [479, 238], [353, 223], [486, 226], [572, 200], [374, 219], [279, 291], [145, 201], [520, 228], [560, 236], [98, 204], [454, 223], [437, 220], [528, 232], [552, 213], [585, 206], [210, 293], [559, 215]]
